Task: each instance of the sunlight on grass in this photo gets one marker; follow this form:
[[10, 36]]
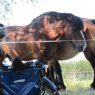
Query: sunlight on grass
[[79, 93], [77, 76], [76, 84]]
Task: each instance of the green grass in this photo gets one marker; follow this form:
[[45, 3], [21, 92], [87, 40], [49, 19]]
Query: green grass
[[79, 93], [77, 77]]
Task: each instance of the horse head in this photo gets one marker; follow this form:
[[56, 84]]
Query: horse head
[[2, 31], [74, 32]]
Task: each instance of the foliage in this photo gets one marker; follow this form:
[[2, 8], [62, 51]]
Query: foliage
[[6, 9]]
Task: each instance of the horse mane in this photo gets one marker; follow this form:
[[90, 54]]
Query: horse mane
[[78, 23], [93, 21], [52, 16], [56, 16]]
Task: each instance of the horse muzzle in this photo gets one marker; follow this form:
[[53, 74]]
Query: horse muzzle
[[81, 48]]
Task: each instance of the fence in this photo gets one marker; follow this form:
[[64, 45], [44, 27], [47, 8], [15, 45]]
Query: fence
[[77, 73]]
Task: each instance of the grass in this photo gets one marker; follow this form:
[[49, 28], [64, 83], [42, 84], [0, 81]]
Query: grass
[[78, 76], [79, 93]]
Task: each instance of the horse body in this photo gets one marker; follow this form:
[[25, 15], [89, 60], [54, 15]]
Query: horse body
[[47, 27], [37, 31], [89, 33], [22, 50]]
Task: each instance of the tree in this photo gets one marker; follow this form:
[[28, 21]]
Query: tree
[[6, 10]]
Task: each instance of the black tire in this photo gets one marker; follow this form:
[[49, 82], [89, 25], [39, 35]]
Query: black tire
[[50, 88]]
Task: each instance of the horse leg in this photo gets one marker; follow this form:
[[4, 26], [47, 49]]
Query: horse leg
[[2, 56], [91, 58], [50, 73], [54, 63], [40, 56], [57, 70]]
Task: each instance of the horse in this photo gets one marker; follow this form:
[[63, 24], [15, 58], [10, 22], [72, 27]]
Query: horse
[[49, 26], [68, 50], [2, 31]]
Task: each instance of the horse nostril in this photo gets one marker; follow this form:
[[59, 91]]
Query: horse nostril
[[81, 47]]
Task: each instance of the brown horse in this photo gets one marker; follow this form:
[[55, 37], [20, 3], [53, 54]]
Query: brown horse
[[50, 26], [68, 49]]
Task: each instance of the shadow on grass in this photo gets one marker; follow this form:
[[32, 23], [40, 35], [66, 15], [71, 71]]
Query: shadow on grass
[[82, 91]]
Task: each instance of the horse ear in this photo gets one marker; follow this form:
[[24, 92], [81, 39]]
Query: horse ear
[[69, 18], [1, 25]]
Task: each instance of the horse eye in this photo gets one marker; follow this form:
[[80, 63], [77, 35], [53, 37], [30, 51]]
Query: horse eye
[[74, 30]]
